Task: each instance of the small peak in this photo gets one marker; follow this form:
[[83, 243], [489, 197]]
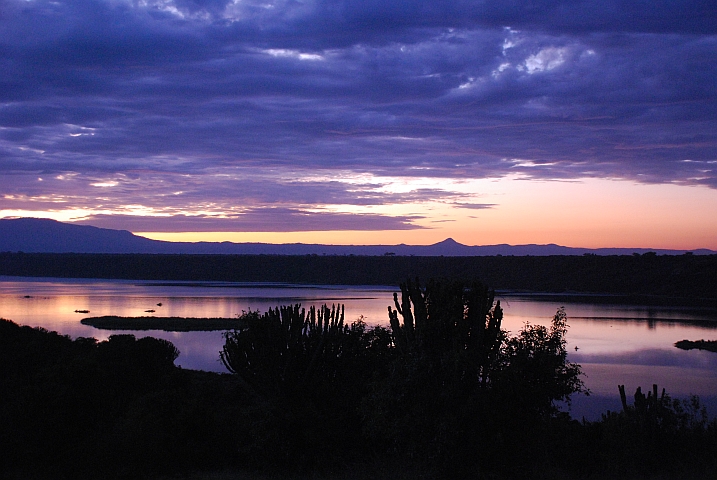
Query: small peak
[[448, 241]]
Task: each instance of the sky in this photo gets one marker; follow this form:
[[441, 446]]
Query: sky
[[587, 123]]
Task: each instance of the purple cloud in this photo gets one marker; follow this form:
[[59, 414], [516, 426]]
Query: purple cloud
[[192, 96], [256, 220]]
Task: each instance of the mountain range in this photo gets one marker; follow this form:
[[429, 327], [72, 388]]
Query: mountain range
[[36, 235]]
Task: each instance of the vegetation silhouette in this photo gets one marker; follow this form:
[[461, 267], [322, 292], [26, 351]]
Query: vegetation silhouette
[[687, 280], [656, 434], [307, 373], [117, 408], [709, 345], [167, 324], [444, 392], [460, 389]]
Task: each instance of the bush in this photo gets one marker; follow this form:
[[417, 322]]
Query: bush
[[535, 372], [306, 372], [657, 434], [460, 393]]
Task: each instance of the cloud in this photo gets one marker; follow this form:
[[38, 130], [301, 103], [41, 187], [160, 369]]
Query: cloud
[[256, 220], [166, 96], [221, 190], [475, 206]]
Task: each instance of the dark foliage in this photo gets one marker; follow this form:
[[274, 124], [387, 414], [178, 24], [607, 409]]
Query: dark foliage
[[120, 408], [167, 324], [536, 368], [655, 435], [460, 390], [709, 345], [284, 350], [307, 372], [671, 279]]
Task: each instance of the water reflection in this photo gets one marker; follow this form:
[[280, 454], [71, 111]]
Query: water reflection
[[616, 344], [612, 329], [628, 345]]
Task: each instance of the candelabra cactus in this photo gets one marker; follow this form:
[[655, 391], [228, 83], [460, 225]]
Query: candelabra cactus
[[652, 413], [284, 347], [448, 318]]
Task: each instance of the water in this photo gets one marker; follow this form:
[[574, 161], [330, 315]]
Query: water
[[628, 345], [617, 344]]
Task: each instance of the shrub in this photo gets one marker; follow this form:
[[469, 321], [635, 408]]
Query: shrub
[[461, 393], [306, 372]]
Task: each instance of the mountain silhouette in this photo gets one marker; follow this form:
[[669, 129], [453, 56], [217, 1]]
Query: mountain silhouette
[[37, 235]]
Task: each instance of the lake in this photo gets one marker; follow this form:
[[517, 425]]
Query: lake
[[617, 344]]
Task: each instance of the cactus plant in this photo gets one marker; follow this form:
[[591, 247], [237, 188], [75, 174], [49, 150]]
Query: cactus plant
[[448, 317], [284, 347]]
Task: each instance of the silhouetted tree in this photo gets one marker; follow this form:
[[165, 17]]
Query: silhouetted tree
[[307, 372], [535, 368], [458, 381]]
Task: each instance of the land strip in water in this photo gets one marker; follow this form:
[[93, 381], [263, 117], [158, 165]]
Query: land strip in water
[[709, 345], [167, 324]]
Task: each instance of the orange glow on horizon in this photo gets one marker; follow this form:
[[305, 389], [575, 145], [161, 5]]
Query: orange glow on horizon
[[589, 213], [585, 213]]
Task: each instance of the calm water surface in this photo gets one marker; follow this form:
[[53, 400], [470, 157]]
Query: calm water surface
[[617, 344]]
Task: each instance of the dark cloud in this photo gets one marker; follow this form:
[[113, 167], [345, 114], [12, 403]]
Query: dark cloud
[[475, 206], [197, 92], [256, 220]]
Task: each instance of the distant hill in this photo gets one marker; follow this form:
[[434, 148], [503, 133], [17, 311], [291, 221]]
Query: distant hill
[[34, 235]]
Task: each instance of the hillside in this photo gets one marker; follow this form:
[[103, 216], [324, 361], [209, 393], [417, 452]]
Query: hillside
[[34, 235]]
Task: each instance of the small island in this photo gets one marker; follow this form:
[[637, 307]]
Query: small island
[[710, 345], [167, 324]]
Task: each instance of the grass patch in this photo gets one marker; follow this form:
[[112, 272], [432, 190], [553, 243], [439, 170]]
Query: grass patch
[[710, 345], [167, 324]]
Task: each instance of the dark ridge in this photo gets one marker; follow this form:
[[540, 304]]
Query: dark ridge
[[35, 235]]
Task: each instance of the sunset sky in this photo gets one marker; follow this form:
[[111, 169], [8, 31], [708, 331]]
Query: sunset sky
[[586, 124]]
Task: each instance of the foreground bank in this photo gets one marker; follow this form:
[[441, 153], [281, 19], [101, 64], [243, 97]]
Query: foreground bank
[[442, 392]]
